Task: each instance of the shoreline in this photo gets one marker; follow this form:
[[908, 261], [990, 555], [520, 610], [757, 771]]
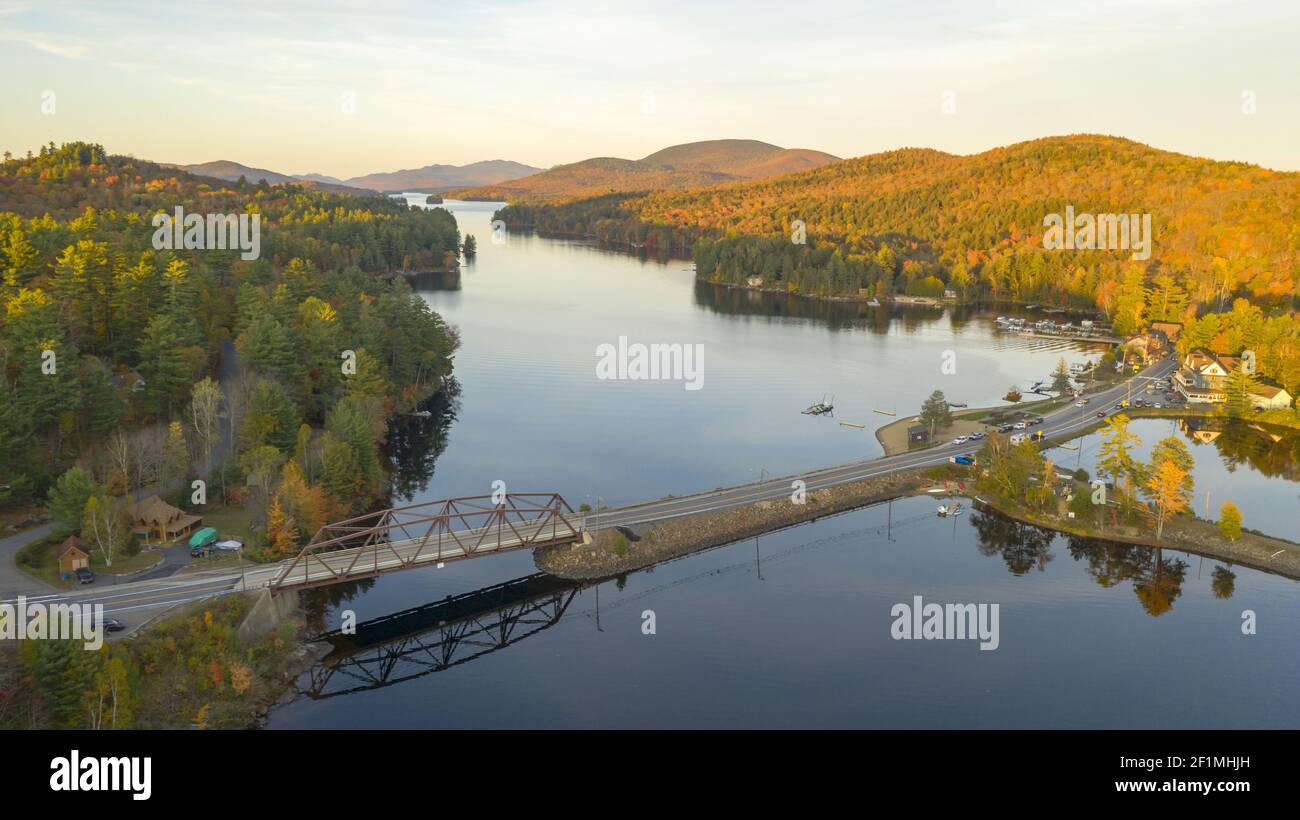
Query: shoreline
[[612, 552]]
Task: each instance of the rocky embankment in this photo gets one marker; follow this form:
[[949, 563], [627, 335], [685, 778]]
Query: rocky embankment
[[616, 551]]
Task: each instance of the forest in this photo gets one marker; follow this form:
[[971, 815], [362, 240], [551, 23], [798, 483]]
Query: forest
[[127, 369], [922, 222]]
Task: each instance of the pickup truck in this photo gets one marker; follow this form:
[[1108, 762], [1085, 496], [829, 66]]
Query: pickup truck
[[966, 460]]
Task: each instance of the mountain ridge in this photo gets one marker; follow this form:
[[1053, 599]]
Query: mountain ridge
[[687, 165]]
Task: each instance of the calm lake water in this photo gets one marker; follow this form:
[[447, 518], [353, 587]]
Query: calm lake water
[[791, 629]]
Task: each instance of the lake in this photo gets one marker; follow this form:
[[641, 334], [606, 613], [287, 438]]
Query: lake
[[794, 628]]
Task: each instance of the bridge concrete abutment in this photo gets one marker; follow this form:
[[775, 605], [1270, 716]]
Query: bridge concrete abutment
[[267, 612]]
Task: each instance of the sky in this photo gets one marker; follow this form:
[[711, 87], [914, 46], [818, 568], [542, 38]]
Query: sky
[[352, 88]]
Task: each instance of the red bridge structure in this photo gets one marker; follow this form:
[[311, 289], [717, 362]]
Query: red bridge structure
[[431, 532]]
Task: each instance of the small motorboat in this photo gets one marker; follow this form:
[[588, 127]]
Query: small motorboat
[[819, 408], [950, 509]]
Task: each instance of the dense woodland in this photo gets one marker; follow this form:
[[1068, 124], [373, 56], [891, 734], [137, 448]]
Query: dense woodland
[[241, 361], [920, 222]]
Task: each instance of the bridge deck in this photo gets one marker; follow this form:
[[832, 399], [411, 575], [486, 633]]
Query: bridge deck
[[323, 568]]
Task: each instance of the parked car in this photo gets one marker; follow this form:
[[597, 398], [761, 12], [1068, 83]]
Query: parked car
[[110, 625], [966, 460], [977, 436], [1005, 428], [1020, 425], [84, 575], [961, 440]]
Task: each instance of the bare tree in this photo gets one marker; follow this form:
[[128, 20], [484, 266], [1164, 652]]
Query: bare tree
[[119, 453], [104, 521], [205, 405]]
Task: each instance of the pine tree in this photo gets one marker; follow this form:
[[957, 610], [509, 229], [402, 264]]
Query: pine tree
[[1061, 378], [1116, 453], [1237, 392], [67, 500], [935, 413], [163, 366]]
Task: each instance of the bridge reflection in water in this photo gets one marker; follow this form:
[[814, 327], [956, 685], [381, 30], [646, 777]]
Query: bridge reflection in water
[[436, 636]]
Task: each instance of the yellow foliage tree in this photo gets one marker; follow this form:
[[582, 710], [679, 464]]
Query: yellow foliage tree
[[1168, 492], [280, 528]]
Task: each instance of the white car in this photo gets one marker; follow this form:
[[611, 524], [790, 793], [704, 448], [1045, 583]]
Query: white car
[[1080, 403], [961, 440], [1020, 425]]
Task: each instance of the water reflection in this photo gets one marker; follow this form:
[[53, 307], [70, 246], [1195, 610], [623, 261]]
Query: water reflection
[[437, 636], [1272, 451], [416, 441]]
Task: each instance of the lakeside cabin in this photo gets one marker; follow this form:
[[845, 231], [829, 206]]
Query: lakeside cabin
[[152, 516]]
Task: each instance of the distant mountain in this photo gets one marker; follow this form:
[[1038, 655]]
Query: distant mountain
[[321, 178], [747, 159], [430, 178], [434, 178], [232, 171], [690, 165]]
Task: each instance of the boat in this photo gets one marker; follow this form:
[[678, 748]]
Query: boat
[[950, 509], [819, 408], [874, 302]]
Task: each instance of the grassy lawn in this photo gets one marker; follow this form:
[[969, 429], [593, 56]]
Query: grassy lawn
[[231, 522], [41, 559], [220, 560]]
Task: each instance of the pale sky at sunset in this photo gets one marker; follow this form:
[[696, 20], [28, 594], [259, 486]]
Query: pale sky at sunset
[[551, 82]]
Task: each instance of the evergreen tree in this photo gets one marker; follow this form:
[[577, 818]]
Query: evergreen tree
[[935, 413], [1061, 378], [163, 366], [67, 500]]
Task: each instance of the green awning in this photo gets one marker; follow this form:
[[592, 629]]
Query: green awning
[[203, 537]]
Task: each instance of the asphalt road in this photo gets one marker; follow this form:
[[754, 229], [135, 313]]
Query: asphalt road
[[137, 601]]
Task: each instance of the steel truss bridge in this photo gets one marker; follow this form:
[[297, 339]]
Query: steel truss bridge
[[429, 533]]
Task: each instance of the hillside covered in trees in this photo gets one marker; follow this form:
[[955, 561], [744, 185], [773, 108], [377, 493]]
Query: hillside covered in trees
[[116, 358], [920, 221]]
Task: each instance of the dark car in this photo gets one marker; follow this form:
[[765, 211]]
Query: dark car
[[198, 552], [1005, 428], [84, 575], [1038, 420], [1101, 414], [111, 625]]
